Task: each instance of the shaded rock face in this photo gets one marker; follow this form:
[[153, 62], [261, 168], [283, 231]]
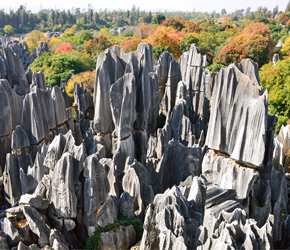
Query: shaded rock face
[[38, 124], [21, 50], [135, 183], [187, 81], [189, 153], [96, 185], [37, 52], [10, 115], [198, 85], [178, 162], [83, 100], [12, 70]]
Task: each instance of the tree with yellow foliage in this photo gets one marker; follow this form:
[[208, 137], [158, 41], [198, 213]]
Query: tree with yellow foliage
[[33, 39], [285, 50], [53, 43], [8, 30], [87, 78]]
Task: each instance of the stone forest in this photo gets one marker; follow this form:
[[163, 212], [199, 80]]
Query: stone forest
[[165, 156]]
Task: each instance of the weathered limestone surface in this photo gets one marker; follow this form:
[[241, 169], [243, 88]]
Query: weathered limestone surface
[[37, 79], [135, 183], [20, 49], [10, 117], [126, 91], [37, 52], [96, 186], [82, 100], [165, 224], [12, 70], [239, 114], [63, 194], [11, 179], [177, 163], [120, 238], [233, 231], [37, 225], [282, 146], [186, 151], [123, 105], [228, 174]]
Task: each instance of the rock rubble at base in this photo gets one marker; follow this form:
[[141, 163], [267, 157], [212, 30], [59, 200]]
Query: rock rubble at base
[[188, 152]]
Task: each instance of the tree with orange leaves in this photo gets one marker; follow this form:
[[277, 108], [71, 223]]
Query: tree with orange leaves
[[226, 19], [255, 43], [166, 37], [130, 44], [229, 53], [176, 23], [257, 49], [144, 30], [191, 27], [257, 29]]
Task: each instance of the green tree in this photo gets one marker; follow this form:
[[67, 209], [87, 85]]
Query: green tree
[[8, 30], [57, 67], [158, 19], [85, 35], [158, 50], [187, 41], [276, 80], [207, 44]]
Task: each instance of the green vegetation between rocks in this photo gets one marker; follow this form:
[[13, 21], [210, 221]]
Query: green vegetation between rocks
[[94, 242], [58, 67]]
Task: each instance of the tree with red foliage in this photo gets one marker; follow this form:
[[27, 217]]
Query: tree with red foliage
[[230, 53], [63, 48]]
